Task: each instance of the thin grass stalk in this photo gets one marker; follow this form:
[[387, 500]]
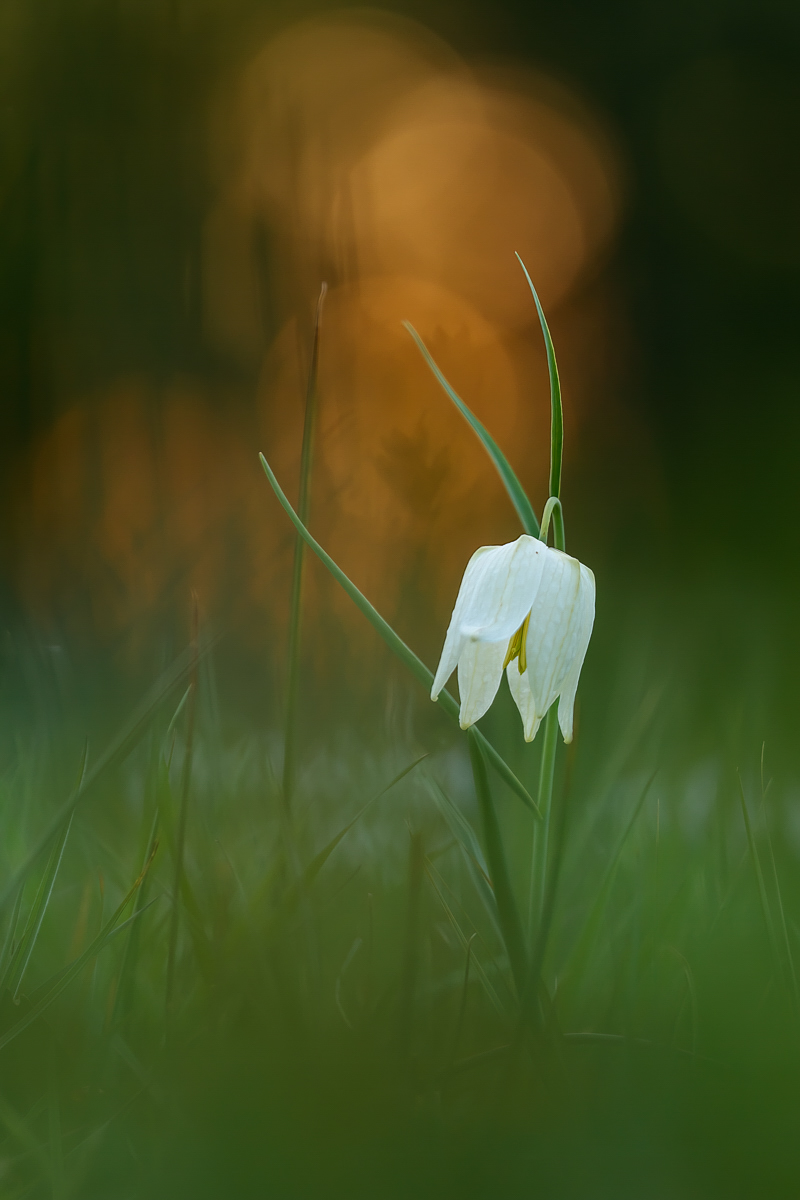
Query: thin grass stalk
[[303, 503], [507, 911], [180, 839]]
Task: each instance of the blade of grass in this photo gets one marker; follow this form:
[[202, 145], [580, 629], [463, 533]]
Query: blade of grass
[[556, 411], [462, 937], [12, 977], [76, 967], [576, 962], [470, 847], [11, 933], [297, 572], [118, 748], [396, 644], [512, 485], [507, 911]]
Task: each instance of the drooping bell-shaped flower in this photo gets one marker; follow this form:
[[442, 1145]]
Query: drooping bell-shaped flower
[[527, 609]]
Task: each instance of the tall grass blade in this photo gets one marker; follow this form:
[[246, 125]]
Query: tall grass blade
[[118, 748], [556, 411], [507, 911], [396, 644], [470, 848], [580, 955], [75, 968], [297, 571], [464, 940], [12, 978], [11, 933], [504, 469]]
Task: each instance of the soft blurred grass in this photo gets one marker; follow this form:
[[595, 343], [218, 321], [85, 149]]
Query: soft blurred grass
[[321, 1039]]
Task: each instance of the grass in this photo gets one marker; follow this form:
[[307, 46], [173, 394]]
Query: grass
[[343, 1017]]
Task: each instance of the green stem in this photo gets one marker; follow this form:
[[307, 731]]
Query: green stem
[[542, 831], [507, 911], [548, 768], [553, 509], [297, 573]]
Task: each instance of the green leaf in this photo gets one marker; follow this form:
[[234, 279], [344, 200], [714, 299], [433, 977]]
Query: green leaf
[[512, 485], [556, 411], [396, 644]]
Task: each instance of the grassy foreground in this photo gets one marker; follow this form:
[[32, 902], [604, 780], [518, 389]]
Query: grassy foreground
[[328, 1009]]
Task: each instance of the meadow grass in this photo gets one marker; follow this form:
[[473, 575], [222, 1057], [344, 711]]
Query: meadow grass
[[361, 956], [341, 1017]]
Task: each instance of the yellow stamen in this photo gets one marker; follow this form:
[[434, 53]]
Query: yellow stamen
[[517, 647]]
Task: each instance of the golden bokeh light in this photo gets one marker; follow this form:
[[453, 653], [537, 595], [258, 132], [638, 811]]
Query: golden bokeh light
[[355, 148]]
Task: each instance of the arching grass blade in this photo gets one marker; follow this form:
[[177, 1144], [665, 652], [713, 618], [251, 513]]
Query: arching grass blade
[[512, 485], [556, 410]]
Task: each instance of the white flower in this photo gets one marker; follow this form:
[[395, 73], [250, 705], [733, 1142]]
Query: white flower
[[528, 609]]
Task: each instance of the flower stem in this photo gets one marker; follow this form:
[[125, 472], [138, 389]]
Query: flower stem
[[507, 911], [541, 832], [547, 770]]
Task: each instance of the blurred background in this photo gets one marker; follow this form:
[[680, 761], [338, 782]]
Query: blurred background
[[176, 181]]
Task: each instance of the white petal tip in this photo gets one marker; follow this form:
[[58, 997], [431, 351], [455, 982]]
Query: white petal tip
[[567, 740], [434, 696], [465, 724]]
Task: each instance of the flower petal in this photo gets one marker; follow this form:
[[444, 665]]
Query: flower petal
[[554, 628], [523, 698], [585, 622], [496, 594], [507, 590], [480, 669], [455, 639]]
